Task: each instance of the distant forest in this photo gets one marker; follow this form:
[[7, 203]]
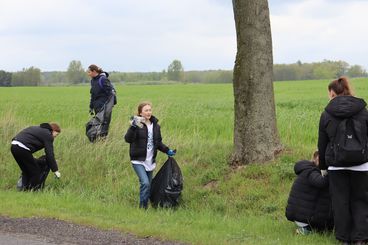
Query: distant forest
[[175, 72]]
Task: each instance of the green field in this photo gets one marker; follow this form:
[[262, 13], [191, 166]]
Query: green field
[[221, 205]]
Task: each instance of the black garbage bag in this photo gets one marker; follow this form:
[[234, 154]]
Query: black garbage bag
[[167, 185], [95, 126], [23, 184]]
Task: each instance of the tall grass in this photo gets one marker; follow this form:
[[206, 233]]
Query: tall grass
[[221, 205]]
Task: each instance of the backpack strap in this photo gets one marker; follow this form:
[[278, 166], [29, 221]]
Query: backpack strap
[[100, 82]]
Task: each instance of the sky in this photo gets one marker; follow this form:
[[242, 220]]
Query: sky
[[146, 35]]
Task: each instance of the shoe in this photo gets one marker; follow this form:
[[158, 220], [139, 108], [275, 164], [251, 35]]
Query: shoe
[[306, 230]]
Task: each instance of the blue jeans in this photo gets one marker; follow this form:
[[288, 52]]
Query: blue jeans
[[145, 178]]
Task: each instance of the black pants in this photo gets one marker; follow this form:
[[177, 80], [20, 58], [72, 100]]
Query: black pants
[[31, 171], [349, 192]]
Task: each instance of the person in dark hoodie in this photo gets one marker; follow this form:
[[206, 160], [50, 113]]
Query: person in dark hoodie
[[144, 137], [309, 203], [28, 141], [348, 184], [103, 96]]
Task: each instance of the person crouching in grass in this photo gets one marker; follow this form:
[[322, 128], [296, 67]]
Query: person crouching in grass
[[309, 202]]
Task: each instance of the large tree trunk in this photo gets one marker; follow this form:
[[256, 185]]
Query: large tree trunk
[[255, 132]]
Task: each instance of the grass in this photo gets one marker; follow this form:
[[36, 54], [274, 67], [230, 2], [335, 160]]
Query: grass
[[221, 205]]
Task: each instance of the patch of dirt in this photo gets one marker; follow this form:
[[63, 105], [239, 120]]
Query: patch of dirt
[[61, 232]]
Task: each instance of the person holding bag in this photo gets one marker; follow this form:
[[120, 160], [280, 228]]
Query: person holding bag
[[144, 137], [28, 141]]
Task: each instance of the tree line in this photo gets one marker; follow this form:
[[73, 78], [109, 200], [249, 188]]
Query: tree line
[[76, 74]]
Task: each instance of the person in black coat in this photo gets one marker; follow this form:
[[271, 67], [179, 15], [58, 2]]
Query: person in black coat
[[28, 141], [144, 137], [103, 96], [348, 184], [309, 203]]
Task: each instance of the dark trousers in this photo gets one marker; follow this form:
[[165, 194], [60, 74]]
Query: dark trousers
[[349, 193], [31, 171]]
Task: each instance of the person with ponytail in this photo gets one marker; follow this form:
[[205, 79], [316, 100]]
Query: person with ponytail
[[348, 173], [103, 96]]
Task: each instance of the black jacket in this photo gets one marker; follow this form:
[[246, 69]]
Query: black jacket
[[137, 137], [337, 109], [309, 200], [38, 137], [100, 92]]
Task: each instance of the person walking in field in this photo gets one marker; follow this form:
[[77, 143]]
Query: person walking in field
[[342, 144], [309, 203], [144, 137], [28, 141], [103, 96]]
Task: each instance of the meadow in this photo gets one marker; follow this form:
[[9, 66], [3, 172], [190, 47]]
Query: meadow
[[221, 204]]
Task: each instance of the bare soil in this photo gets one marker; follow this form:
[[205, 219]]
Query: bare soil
[[53, 231]]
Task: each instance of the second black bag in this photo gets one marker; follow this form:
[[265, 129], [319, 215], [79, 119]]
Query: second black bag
[[167, 185]]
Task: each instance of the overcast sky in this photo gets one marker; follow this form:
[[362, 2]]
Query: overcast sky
[[146, 35]]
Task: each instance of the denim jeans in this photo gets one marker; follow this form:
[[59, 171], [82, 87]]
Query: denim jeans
[[145, 178]]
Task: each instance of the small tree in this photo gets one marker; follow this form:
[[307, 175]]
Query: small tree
[[175, 71], [76, 73], [5, 78]]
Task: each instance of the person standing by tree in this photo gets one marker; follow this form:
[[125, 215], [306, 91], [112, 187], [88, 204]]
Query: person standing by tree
[[28, 141], [346, 118], [103, 96], [144, 136]]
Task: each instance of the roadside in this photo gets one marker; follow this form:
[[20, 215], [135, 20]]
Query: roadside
[[51, 231]]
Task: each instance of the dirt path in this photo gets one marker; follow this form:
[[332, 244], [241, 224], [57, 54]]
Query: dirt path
[[51, 231]]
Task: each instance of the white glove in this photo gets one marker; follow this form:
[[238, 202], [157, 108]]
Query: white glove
[[57, 174], [324, 172]]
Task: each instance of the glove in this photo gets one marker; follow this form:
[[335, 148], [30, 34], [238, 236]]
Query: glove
[[57, 174], [171, 153], [91, 112], [136, 121], [324, 172]]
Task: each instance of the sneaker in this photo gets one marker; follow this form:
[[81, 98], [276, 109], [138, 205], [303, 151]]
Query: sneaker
[[303, 230]]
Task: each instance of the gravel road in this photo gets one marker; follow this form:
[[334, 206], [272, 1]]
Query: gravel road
[[44, 231]]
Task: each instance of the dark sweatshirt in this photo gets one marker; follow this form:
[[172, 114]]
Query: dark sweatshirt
[[337, 109], [309, 200], [38, 137]]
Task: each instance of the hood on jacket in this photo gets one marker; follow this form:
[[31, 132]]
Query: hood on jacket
[[154, 119], [106, 74], [46, 126], [303, 165], [345, 106]]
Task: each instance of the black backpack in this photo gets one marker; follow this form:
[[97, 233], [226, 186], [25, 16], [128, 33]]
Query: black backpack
[[349, 146]]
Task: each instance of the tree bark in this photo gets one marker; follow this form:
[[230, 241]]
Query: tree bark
[[255, 131]]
